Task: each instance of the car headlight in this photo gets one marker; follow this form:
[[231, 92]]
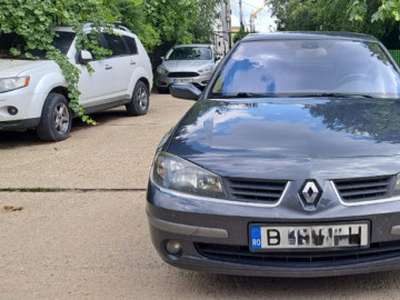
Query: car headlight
[[175, 173], [396, 188], [9, 84], [206, 70], [162, 71]]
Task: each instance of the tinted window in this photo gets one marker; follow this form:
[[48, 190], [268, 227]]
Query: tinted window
[[301, 67], [131, 44], [189, 53], [62, 41], [116, 44]]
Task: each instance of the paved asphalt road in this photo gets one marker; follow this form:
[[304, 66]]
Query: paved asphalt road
[[89, 239]]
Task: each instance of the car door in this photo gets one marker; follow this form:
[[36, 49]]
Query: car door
[[96, 87], [122, 64]]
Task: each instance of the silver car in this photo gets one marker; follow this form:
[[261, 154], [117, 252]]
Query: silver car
[[187, 63]]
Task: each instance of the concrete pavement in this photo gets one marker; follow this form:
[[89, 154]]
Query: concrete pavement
[[116, 154]]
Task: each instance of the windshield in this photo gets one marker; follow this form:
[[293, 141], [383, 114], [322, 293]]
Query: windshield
[[306, 68], [62, 41], [189, 53]]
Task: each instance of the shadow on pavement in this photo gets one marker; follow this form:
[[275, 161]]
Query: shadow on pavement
[[14, 139]]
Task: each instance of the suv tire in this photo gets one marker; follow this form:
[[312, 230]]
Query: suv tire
[[56, 120], [140, 100]]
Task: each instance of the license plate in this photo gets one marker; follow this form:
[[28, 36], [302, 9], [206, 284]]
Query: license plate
[[309, 237], [182, 80]]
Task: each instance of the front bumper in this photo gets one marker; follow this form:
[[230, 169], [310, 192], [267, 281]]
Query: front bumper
[[200, 81], [214, 237], [19, 124]]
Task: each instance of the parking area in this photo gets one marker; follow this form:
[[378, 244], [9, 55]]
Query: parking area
[[82, 231]]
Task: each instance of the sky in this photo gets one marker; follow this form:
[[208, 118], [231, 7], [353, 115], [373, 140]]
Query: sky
[[264, 21]]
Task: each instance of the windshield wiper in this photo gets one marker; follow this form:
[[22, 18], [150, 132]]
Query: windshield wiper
[[334, 95]]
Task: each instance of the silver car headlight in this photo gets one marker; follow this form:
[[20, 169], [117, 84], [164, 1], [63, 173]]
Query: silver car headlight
[[9, 84], [206, 70], [161, 70], [172, 172]]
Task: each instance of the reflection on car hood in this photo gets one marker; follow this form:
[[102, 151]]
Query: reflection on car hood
[[292, 135], [14, 67], [186, 65]]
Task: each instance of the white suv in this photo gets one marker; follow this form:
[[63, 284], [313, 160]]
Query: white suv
[[34, 93]]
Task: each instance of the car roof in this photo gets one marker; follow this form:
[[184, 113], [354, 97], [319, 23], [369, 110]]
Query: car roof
[[287, 35]]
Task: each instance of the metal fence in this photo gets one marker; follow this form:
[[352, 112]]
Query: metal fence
[[396, 55]]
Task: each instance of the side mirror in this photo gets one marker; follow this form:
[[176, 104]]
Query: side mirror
[[218, 57], [162, 58], [84, 57], [185, 91]]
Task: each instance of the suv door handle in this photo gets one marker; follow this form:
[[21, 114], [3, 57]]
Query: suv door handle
[[133, 63], [108, 67]]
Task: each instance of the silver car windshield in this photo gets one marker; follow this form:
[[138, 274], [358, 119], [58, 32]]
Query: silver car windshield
[[189, 53], [308, 68]]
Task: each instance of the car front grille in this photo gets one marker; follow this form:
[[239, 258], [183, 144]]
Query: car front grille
[[182, 74], [242, 255], [264, 191], [364, 189]]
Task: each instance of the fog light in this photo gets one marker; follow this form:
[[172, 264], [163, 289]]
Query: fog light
[[173, 247], [12, 110]]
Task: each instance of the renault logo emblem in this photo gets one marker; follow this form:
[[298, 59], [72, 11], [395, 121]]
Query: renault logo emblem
[[310, 192]]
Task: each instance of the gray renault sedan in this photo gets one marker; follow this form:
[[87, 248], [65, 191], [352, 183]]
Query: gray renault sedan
[[287, 165]]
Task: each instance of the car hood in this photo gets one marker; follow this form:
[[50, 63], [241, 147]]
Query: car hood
[[301, 137], [186, 65], [14, 67]]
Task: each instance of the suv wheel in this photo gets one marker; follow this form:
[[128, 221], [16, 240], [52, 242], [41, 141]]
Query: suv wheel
[[55, 123], [140, 100]]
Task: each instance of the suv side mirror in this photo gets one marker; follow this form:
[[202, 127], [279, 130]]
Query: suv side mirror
[[185, 91], [84, 57]]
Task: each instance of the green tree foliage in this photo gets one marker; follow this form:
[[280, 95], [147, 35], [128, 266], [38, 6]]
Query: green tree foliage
[[336, 15], [387, 10], [240, 34]]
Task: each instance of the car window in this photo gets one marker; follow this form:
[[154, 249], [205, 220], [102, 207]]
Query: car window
[[302, 67], [131, 43], [62, 41], [189, 53], [116, 44]]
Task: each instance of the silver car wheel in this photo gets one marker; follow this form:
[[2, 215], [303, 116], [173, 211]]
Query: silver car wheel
[[142, 98], [61, 118]]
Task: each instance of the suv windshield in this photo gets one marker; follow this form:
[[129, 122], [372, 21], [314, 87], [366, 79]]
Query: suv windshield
[[189, 53], [62, 41], [308, 68]]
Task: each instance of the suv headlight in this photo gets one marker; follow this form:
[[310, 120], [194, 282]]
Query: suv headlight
[[172, 172], [9, 84], [162, 71]]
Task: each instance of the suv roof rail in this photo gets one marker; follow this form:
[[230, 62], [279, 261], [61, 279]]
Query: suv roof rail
[[121, 25], [117, 25]]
